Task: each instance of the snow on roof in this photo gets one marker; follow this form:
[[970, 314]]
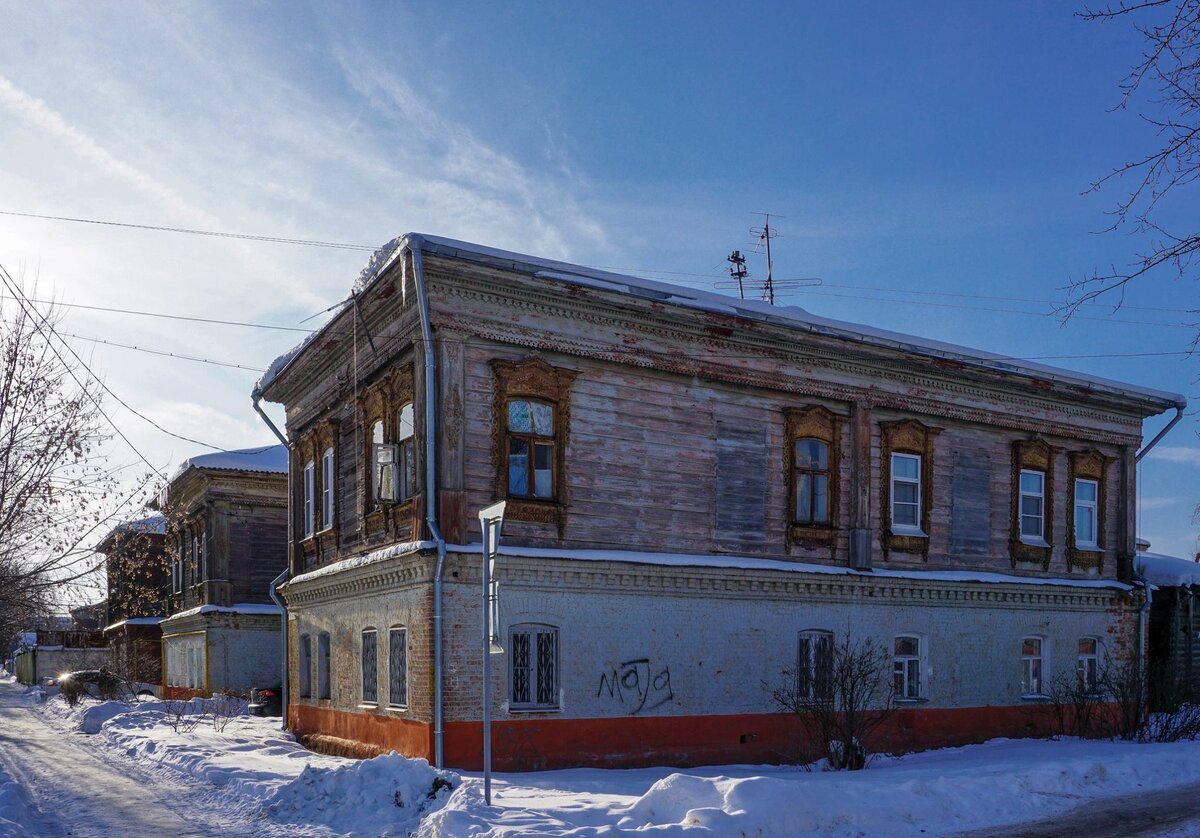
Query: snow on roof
[[272, 459], [693, 560], [236, 608], [134, 621], [788, 316], [1167, 571]]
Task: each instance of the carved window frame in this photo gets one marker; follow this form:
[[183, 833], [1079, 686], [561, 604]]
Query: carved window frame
[[311, 448], [1088, 464], [822, 424], [532, 379], [906, 436], [1032, 455], [381, 402]]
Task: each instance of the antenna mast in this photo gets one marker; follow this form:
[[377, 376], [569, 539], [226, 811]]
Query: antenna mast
[[765, 235], [737, 270]]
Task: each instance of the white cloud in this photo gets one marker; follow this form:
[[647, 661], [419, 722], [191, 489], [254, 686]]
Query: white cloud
[[1148, 504], [1188, 455]]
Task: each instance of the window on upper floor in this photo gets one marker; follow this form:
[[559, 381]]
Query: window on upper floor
[[1087, 517], [382, 462], [327, 488], [1033, 505], [177, 565], [906, 493], [812, 481], [406, 471], [398, 666], [309, 500], [370, 666], [814, 666], [812, 435], [1032, 667], [197, 571], [533, 667], [907, 655], [531, 442]]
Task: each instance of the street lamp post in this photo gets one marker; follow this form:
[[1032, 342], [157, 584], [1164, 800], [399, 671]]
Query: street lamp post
[[491, 520]]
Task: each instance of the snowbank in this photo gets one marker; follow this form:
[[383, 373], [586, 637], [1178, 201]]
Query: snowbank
[[954, 790], [16, 812], [394, 790]]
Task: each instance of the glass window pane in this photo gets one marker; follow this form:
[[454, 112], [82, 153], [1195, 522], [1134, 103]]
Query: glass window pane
[[812, 453], [904, 514], [1087, 646], [804, 498], [1031, 481], [518, 467], [914, 679], [406, 422], [518, 417], [907, 646], [543, 471], [398, 667], [377, 433], [370, 680], [820, 499], [1085, 490], [904, 465], [904, 492], [1031, 646], [1085, 524], [1031, 525], [520, 668], [546, 660], [543, 419], [1031, 506]]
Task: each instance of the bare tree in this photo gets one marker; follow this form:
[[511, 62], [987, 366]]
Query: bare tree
[[1166, 81], [58, 491], [842, 695]]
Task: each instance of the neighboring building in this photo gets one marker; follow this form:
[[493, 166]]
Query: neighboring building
[[54, 645], [701, 493], [1174, 619], [226, 536], [139, 583]]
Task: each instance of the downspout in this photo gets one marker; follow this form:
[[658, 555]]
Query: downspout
[[1174, 421], [414, 251], [256, 397]]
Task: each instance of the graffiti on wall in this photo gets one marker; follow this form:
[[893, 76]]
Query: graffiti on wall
[[637, 686]]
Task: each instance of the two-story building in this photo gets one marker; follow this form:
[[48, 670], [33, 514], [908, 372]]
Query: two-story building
[[701, 492], [136, 569], [227, 537]]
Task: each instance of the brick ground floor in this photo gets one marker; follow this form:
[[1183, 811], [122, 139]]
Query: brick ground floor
[[625, 663]]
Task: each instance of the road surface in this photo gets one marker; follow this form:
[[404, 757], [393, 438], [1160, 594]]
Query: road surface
[[1174, 813]]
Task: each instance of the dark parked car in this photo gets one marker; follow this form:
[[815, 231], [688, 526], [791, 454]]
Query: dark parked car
[[266, 701]]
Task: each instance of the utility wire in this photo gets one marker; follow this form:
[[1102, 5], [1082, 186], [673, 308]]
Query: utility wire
[[164, 315], [164, 353], [12, 287]]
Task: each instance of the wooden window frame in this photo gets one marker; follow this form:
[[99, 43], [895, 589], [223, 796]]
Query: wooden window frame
[[328, 487], [532, 379], [822, 424], [311, 449], [1032, 455], [382, 401], [1027, 666], [1088, 464], [901, 664], [310, 501], [906, 436], [1038, 538]]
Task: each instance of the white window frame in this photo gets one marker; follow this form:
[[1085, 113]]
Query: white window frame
[[195, 559], [1040, 538], [309, 500], [1029, 689], [906, 529], [905, 663], [305, 674], [534, 630], [1088, 683], [402, 704], [1094, 505], [327, 475], [809, 664]]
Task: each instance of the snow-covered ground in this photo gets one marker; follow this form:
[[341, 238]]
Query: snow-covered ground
[[253, 779]]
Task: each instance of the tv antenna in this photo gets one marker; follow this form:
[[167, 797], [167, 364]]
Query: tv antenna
[[767, 289]]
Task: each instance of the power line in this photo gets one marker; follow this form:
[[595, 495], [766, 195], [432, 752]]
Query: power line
[[164, 315], [12, 286], [164, 353], [195, 232]]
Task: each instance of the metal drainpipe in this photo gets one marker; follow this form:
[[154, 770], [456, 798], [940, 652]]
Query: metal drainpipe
[[414, 252], [256, 397], [1174, 421]]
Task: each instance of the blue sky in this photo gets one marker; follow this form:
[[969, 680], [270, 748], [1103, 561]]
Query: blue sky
[[914, 152]]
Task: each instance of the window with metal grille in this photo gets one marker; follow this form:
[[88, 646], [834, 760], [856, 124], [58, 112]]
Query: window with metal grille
[[906, 667], [533, 667], [1031, 666], [812, 481], [398, 667], [814, 666], [370, 667], [323, 665], [305, 665], [530, 449]]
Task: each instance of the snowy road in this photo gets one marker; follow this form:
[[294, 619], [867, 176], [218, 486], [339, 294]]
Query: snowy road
[[80, 793], [1171, 813]]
